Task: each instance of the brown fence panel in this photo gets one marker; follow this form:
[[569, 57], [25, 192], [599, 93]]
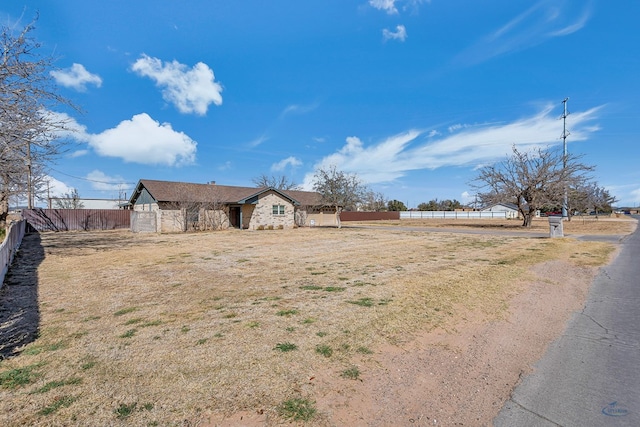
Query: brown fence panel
[[368, 216], [77, 219]]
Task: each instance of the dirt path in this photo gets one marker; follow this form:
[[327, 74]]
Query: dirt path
[[463, 377]]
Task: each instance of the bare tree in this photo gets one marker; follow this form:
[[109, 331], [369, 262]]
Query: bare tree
[[69, 201], [530, 180], [374, 202], [215, 214], [591, 196], [28, 129], [277, 182], [339, 189]]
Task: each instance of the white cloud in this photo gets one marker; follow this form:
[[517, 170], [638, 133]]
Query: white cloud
[[543, 21], [400, 34], [57, 188], [76, 77], [282, 164], [190, 90], [298, 109], [259, 140], [466, 198], [456, 127], [389, 6], [225, 166], [66, 127], [103, 182], [78, 153], [146, 141], [386, 5], [139, 140], [481, 144]]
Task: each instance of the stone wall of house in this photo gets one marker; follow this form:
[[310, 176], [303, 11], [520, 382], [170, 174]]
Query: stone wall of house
[[263, 213], [170, 221], [150, 207], [215, 219], [247, 215]]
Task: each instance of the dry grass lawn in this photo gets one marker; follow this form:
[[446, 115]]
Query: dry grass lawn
[[145, 330]]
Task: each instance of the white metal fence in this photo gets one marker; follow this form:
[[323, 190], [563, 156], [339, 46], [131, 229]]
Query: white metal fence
[[10, 246], [453, 215]]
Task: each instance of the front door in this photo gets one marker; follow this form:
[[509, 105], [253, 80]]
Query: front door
[[234, 216]]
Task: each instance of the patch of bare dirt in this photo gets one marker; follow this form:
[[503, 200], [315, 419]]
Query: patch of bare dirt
[[463, 376]]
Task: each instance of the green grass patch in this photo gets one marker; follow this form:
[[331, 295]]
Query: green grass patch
[[285, 347], [287, 313], [324, 350], [55, 384], [88, 365], [297, 409], [185, 329], [37, 349], [253, 324], [18, 377], [363, 302], [309, 320], [124, 410], [334, 289], [321, 334], [151, 323], [124, 311], [364, 350], [133, 321], [318, 273], [311, 287], [130, 333], [59, 402], [353, 373]]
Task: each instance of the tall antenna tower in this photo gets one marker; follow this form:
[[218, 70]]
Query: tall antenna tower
[[565, 134]]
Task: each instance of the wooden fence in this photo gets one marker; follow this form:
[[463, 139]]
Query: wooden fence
[[77, 219], [368, 216], [10, 246]]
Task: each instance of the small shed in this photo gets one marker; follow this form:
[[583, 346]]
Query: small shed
[[511, 209]]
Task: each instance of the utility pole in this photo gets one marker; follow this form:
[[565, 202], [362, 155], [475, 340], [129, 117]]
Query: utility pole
[[565, 134]]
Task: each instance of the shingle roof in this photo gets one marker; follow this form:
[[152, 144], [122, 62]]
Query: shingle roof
[[170, 191]]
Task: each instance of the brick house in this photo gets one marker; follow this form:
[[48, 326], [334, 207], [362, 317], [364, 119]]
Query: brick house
[[166, 206]]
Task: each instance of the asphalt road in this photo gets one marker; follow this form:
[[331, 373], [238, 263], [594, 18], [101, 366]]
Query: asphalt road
[[590, 376]]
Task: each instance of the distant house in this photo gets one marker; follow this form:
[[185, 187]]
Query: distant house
[[166, 206], [510, 209]]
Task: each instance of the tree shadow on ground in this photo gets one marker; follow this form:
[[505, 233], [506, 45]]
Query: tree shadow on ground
[[19, 312]]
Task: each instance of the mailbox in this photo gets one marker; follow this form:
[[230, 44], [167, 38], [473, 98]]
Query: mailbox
[[555, 226]]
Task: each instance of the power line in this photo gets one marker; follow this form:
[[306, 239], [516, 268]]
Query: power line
[[92, 180]]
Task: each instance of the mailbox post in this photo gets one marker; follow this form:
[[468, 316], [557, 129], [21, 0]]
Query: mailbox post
[[555, 227]]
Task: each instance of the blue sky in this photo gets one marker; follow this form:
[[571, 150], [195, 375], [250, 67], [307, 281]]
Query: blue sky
[[411, 95]]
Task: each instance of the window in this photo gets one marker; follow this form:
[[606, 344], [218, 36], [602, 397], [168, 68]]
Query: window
[[278, 209]]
